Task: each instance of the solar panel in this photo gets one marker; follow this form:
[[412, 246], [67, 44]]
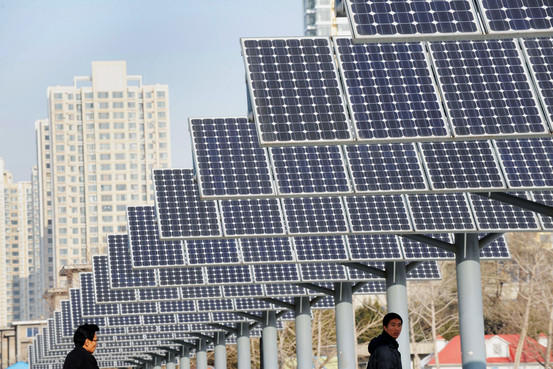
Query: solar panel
[[265, 250], [317, 272], [308, 215], [497, 216], [414, 250], [403, 19], [487, 89], [378, 214], [508, 16], [89, 307], [146, 247], [275, 273], [158, 294], [374, 247], [285, 289], [329, 248], [372, 287], [228, 158], [427, 270], [177, 306], [546, 198], [222, 275], [181, 213], [390, 91], [309, 170], [461, 165], [540, 59], [210, 252], [386, 168], [201, 292], [295, 90], [102, 276], [496, 250], [231, 291], [527, 163], [179, 277], [121, 273], [252, 217], [441, 213]]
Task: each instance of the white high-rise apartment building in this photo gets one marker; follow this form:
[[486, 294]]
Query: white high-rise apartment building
[[320, 19], [96, 152], [21, 294]]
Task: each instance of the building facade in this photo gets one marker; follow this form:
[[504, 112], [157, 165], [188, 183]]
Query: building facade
[[96, 151], [320, 19]]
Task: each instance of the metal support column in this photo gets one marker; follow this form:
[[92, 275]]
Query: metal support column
[[201, 354], [184, 359], [220, 354], [171, 361], [157, 362], [270, 345], [471, 312], [304, 341], [396, 298], [243, 346], [345, 332]]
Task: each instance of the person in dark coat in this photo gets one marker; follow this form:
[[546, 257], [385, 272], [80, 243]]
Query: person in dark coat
[[384, 348], [85, 339]]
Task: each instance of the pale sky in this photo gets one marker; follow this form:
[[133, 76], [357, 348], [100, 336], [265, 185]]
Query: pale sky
[[191, 45]]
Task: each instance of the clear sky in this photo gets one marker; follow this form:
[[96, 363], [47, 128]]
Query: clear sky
[[191, 45]]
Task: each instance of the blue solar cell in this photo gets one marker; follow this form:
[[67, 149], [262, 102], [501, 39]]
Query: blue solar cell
[[194, 318], [414, 250], [385, 168], [222, 275], [274, 273], [496, 216], [374, 247], [427, 270], [255, 217], [295, 90], [496, 250], [461, 165], [546, 198], [179, 277], [216, 305], [309, 170], [159, 319], [263, 250], [416, 18], [391, 91], [147, 249], [331, 248], [540, 62], [441, 212], [487, 89], [308, 215], [252, 304], [89, 306], [322, 272], [228, 158], [158, 294], [377, 214], [177, 306], [210, 252], [372, 287], [226, 317], [243, 290], [102, 290], [281, 289], [194, 293], [508, 16], [527, 163], [181, 212], [140, 308], [121, 273]]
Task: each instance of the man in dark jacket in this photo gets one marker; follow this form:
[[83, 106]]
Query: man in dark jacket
[[85, 339], [384, 348]]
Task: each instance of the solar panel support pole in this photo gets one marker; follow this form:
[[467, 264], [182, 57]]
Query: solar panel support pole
[[304, 342], [220, 354], [171, 362], [471, 312], [270, 344], [201, 354], [396, 298], [184, 360], [243, 345], [157, 362], [345, 335]]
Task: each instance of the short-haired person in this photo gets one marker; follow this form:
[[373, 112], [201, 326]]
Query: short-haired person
[[85, 339], [384, 348]]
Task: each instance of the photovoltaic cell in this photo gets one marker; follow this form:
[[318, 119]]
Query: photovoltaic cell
[[414, 250], [546, 198], [427, 270], [222, 275], [295, 90], [385, 168], [309, 170], [181, 212], [329, 248], [121, 273], [487, 90], [496, 216], [372, 287], [211, 252], [318, 272], [102, 291], [264, 250], [441, 212], [252, 217], [411, 19], [377, 214], [309, 215], [540, 61], [282, 289], [390, 90], [496, 250], [374, 247], [179, 277], [276, 273], [461, 165], [89, 306], [147, 249], [243, 290], [508, 16], [177, 306], [527, 163], [228, 158], [201, 292], [158, 294]]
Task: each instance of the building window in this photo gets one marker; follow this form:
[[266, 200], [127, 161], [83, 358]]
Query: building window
[[117, 94], [103, 95], [161, 94]]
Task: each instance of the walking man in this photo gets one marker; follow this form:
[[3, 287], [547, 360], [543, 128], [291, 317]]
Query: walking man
[[384, 348]]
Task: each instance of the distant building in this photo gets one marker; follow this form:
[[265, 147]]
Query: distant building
[[103, 136], [500, 353], [320, 19]]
